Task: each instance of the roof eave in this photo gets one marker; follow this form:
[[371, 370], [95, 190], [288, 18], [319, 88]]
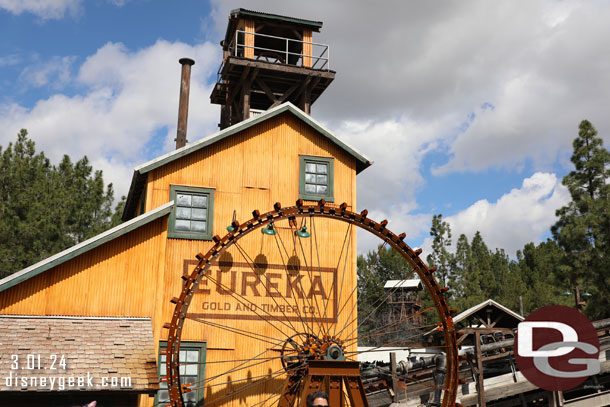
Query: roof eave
[[133, 196]]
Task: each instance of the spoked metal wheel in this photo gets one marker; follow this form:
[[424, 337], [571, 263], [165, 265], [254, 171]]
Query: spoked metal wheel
[[275, 300]]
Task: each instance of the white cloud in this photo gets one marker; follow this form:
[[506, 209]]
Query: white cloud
[[521, 216], [9, 60], [400, 219], [128, 97], [388, 188], [50, 9], [55, 72], [45, 9]]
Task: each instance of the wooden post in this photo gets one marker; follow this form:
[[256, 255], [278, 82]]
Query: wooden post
[[307, 100], [245, 91], [307, 48], [249, 39], [481, 378]]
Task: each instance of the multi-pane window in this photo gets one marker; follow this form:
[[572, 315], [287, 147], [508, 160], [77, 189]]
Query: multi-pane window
[[192, 370], [192, 214], [316, 178]]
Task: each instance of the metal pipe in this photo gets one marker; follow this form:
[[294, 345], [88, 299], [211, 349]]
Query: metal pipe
[[440, 362], [183, 107]]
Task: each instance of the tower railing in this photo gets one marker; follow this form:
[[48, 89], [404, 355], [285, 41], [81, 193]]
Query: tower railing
[[318, 57]]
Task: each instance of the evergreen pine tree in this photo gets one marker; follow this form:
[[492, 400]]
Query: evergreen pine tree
[[583, 228], [440, 257], [45, 209]]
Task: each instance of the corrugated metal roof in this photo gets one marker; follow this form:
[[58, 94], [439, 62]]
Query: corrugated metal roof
[[242, 12], [411, 283], [85, 246]]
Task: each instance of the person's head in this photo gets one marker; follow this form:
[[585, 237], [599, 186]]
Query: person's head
[[317, 399]]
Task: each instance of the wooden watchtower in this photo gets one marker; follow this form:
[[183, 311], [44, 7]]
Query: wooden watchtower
[[404, 300], [269, 59]]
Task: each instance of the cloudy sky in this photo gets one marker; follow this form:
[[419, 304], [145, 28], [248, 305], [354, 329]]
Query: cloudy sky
[[468, 108]]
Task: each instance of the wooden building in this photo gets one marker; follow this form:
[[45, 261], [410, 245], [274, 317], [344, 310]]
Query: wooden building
[[176, 204]]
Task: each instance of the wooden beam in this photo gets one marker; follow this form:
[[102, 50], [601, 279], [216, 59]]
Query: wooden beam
[[235, 61], [462, 338], [267, 90], [486, 330], [297, 34], [498, 356], [285, 95], [302, 87], [496, 320]]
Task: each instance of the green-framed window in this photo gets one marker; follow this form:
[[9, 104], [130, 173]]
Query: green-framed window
[[192, 370], [316, 178], [193, 213]]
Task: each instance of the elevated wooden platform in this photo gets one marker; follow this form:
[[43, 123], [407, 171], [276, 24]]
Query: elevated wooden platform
[[245, 84]]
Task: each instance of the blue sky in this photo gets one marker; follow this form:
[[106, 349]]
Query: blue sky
[[467, 108]]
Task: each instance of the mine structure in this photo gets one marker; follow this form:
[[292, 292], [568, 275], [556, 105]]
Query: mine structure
[[269, 59]]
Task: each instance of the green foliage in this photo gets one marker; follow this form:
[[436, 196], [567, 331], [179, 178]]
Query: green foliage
[[539, 271], [45, 209], [583, 228]]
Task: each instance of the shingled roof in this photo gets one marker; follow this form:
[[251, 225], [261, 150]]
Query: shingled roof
[[93, 347]]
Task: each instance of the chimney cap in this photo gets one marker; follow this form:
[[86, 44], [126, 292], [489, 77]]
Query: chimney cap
[[187, 61]]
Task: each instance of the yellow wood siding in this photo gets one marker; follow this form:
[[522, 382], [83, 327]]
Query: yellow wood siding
[[115, 279]]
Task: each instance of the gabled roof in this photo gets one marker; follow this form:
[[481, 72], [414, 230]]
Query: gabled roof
[[85, 246], [139, 175], [494, 307], [114, 347]]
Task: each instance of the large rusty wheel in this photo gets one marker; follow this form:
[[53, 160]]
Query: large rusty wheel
[[293, 346]]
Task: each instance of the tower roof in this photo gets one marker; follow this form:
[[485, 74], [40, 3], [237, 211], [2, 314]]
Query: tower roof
[[258, 15]]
